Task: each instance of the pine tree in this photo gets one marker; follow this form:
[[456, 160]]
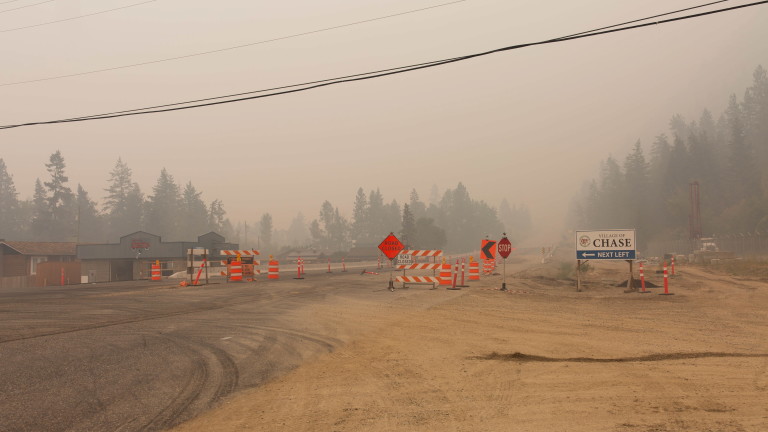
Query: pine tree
[[265, 231], [164, 209], [41, 213], [361, 225], [417, 207], [124, 204], [637, 183], [90, 224], [377, 216], [216, 219], [742, 176], [195, 220], [9, 205], [61, 201], [298, 234], [408, 228]]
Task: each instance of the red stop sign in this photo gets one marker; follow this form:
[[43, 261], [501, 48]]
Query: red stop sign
[[391, 246], [504, 247]]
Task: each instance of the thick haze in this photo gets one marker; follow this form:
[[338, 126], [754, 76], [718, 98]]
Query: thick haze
[[529, 125]]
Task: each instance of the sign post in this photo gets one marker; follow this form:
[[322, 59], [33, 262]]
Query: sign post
[[612, 244], [505, 248], [391, 247]]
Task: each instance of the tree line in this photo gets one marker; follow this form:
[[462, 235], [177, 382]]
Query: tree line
[[454, 222], [56, 213], [726, 155]]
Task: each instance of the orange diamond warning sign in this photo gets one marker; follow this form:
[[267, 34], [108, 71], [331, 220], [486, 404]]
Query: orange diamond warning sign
[[391, 246]]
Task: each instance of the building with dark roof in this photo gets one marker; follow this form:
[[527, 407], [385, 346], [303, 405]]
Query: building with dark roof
[[131, 258], [24, 264]]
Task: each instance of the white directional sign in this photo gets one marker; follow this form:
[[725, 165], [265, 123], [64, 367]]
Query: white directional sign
[[618, 244]]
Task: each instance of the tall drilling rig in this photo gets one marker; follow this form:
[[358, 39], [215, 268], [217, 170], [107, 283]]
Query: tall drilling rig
[[694, 218]]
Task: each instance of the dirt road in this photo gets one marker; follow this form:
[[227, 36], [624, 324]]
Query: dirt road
[[540, 357]]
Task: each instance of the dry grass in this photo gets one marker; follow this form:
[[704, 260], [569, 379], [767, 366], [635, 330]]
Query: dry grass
[[746, 267]]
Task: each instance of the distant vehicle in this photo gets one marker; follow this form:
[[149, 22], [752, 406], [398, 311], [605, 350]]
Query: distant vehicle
[[708, 244]]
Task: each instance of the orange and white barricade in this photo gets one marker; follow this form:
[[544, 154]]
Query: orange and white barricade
[[156, 272], [242, 252], [474, 270], [236, 271], [421, 266], [488, 267], [445, 274], [274, 269], [418, 280]]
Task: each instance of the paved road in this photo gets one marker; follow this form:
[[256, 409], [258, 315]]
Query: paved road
[[133, 356]]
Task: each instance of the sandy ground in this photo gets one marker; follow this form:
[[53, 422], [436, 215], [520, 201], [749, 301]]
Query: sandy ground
[[540, 357]]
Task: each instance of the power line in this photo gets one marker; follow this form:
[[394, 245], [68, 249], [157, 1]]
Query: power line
[[24, 7], [393, 71], [76, 17], [384, 70], [232, 47], [9, 1]]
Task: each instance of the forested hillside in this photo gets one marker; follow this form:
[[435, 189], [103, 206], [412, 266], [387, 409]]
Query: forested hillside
[[726, 153]]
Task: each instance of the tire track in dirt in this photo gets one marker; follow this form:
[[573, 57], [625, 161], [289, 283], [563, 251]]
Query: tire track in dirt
[[214, 375], [193, 386]]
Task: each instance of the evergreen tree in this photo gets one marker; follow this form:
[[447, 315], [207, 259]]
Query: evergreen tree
[[428, 235], [377, 216], [195, 220], [417, 207], [123, 206], [265, 231], [317, 234], [408, 228], [9, 205], [331, 233], [164, 208], [742, 176], [61, 201], [216, 219], [392, 216], [298, 234], [361, 225], [41, 214], [637, 181], [90, 224]]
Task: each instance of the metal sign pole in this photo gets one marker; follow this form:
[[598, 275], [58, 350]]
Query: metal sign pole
[[504, 277], [578, 275]]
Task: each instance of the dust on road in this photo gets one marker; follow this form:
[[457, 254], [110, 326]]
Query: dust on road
[[540, 357]]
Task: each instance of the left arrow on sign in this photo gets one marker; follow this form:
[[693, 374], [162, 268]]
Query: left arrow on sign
[[488, 249]]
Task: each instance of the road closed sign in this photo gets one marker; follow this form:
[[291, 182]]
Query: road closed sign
[[617, 244], [391, 246]]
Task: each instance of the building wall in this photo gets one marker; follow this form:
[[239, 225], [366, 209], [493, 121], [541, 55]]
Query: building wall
[[15, 265], [97, 270], [50, 273]]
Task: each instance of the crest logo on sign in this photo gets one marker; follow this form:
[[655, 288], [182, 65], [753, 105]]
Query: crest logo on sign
[[584, 241]]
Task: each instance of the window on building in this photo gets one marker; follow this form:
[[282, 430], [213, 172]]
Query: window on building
[[34, 262]]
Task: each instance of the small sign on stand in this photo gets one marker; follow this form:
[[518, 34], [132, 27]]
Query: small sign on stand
[[391, 247]]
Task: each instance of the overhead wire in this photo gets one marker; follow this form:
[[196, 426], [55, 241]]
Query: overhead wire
[[383, 70], [9, 1], [24, 7], [168, 59], [75, 17], [393, 71]]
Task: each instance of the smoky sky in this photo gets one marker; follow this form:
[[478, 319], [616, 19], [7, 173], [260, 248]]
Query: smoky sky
[[529, 125]]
